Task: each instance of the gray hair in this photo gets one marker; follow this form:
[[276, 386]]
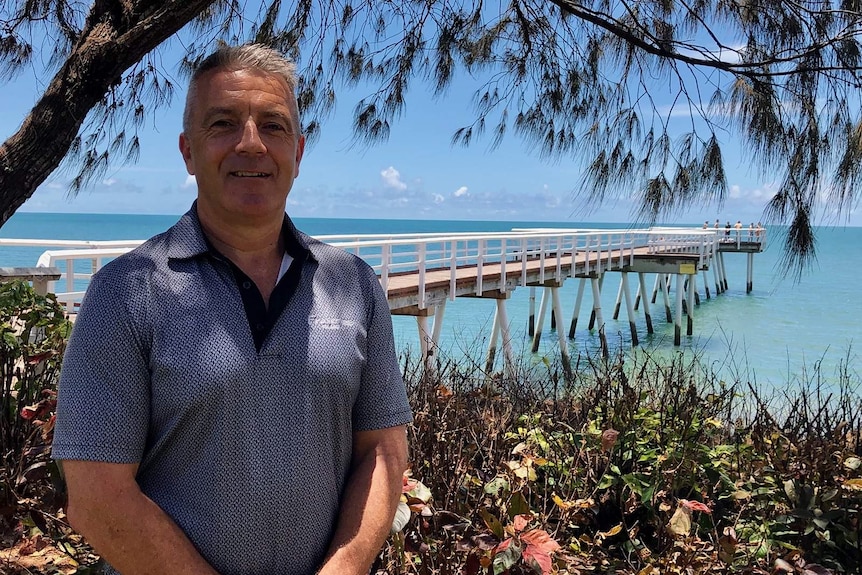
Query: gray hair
[[244, 57]]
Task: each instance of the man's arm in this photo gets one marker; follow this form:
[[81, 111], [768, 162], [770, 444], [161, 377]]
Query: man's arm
[[370, 498], [131, 532]]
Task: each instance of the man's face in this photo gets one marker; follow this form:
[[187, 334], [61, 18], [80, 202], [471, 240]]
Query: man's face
[[243, 145]]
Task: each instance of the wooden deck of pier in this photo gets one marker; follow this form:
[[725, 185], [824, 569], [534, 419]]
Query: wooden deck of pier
[[403, 289]]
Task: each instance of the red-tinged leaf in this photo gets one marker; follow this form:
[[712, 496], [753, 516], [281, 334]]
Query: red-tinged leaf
[[520, 522], [39, 357], [541, 540], [29, 412], [695, 506], [537, 559], [503, 545]]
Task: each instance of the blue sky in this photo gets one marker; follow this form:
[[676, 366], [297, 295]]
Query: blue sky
[[417, 174]]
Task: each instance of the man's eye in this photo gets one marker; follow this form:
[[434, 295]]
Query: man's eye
[[220, 123]]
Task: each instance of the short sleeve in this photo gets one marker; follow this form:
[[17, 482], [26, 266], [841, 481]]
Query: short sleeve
[[103, 401], [382, 400]]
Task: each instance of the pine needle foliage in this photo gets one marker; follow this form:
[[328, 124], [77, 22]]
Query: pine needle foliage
[[586, 81]]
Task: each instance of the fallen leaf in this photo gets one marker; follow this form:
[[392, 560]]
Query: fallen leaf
[[853, 484], [680, 523], [609, 438], [611, 532]]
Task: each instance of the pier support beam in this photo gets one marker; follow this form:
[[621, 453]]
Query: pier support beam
[[723, 270], [500, 328], [425, 345], [677, 325], [655, 288], [597, 315], [647, 316], [715, 267], [503, 321], [540, 322], [531, 324], [582, 282], [749, 278], [492, 344], [561, 337], [619, 300], [624, 284], [706, 283], [692, 292], [597, 302], [664, 294]]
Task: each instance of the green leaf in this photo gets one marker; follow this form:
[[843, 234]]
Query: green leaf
[[492, 523], [606, 481], [421, 492], [506, 559], [496, 485], [518, 505]]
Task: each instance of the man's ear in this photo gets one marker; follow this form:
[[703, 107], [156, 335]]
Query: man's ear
[[300, 149], [186, 151]]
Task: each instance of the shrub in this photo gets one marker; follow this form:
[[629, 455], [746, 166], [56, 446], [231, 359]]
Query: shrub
[[33, 333]]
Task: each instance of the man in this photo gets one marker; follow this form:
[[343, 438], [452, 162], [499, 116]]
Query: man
[[230, 400]]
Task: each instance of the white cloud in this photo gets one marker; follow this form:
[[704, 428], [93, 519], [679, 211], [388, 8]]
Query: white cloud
[[462, 191], [735, 191], [438, 199], [392, 179], [109, 181], [190, 181]]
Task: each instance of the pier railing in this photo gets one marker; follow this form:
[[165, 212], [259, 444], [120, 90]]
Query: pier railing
[[390, 255]]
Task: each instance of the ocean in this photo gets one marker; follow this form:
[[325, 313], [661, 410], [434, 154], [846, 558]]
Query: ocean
[[773, 335]]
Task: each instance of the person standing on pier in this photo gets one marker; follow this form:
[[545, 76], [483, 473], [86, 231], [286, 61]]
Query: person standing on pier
[[230, 400]]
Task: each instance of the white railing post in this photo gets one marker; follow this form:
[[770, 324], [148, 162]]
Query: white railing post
[[453, 269], [421, 258], [385, 255], [480, 260], [503, 258], [523, 262]]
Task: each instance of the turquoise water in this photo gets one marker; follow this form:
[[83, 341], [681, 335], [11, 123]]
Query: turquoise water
[[770, 334]]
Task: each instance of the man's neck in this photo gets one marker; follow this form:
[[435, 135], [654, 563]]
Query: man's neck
[[256, 249]]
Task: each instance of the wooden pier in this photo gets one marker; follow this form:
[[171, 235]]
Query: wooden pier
[[421, 272]]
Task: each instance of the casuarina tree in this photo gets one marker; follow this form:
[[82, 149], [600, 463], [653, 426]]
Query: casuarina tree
[[589, 81]]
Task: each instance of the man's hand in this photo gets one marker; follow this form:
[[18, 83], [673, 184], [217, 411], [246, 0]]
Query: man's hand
[[369, 502], [131, 532]]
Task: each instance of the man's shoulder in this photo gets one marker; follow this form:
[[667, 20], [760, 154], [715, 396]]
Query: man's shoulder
[[148, 256]]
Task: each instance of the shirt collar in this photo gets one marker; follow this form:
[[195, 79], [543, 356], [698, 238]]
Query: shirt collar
[[187, 239]]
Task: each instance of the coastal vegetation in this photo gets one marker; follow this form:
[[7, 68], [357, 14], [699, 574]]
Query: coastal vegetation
[[633, 464], [597, 82]]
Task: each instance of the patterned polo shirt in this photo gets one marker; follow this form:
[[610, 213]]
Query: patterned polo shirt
[[246, 449]]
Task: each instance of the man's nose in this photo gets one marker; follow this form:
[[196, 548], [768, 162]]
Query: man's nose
[[250, 142]]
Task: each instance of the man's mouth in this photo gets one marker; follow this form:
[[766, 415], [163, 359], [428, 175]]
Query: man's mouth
[[243, 174]]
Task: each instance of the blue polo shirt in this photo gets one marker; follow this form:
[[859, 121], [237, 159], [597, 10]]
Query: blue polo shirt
[[246, 449]]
